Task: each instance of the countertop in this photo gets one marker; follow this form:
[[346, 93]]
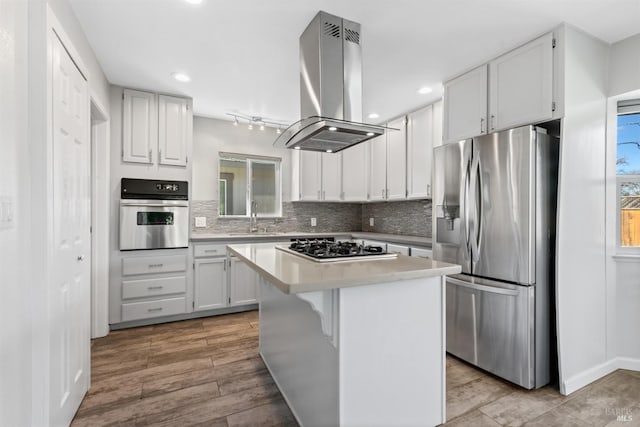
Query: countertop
[[293, 274], [244, 237]]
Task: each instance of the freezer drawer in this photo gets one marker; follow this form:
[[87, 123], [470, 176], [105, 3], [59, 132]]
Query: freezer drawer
[[492, 325]]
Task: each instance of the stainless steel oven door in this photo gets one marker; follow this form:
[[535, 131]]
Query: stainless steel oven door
[[153, 224]]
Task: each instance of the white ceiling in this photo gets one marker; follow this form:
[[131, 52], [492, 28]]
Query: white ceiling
[[242, 55]]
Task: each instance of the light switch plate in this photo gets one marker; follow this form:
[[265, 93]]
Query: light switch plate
[[6, 212], [371, 222], [313, 222], [201, 221]]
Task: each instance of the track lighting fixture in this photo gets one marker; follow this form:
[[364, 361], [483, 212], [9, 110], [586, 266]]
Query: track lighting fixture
[[257, 120]]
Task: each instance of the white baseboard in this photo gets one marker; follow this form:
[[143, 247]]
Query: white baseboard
[[584, 378], [628, 363]]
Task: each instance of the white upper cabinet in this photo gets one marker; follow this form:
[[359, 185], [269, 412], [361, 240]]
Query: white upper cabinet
[[437, 124], [173, 130], [514, 89], [420, 134], [139, 126], [378, 167], [331, 176], [156, 129], [397, 160], [465, 105], [310, 177], [354, 173], [521, 85]]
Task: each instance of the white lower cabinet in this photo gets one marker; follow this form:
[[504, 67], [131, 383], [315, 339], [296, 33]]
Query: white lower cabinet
[[147, 309], [243, 283], [210, 283], [397, 249], [421, 253]]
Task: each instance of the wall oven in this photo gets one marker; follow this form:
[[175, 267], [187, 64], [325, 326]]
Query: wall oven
[[154, 214]]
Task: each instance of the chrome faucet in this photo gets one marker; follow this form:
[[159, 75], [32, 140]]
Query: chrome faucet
[[253, 219]]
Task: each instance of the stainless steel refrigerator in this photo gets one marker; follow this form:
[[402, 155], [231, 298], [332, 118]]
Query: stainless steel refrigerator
[[495, 208]]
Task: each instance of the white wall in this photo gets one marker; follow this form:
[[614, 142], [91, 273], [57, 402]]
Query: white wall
[[15, 279], [211, 136], [624, 66], [581, 286]]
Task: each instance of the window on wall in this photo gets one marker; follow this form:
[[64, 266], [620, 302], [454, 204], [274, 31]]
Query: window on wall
[[628, 173], [246, 181]]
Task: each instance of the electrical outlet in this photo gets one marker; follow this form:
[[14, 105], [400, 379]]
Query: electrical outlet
[[371, 222], [313, 222], [201, 221]]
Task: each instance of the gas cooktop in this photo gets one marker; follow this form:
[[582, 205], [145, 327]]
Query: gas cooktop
[[324, 250]]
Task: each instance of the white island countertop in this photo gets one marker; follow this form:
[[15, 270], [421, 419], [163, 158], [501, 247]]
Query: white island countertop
[[293, 274]]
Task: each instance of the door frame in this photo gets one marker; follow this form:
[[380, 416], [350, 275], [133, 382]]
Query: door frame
[[100, 144]]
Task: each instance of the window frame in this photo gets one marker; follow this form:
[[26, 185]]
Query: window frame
[[623, 107], [250, 159]]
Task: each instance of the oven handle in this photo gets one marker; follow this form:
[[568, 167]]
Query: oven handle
[[155, 203]]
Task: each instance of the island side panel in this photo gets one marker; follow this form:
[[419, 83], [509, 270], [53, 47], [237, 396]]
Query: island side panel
[[300, 357], [392, 355]]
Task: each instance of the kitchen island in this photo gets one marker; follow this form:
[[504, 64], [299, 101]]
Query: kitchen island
[[353, 343]]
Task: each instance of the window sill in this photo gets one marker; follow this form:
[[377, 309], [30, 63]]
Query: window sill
[[247, 218], [626, 257]]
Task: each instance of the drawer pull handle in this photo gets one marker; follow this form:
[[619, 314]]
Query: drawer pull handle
[[155, 265], [154, 309], [210, 250], [154, 287]]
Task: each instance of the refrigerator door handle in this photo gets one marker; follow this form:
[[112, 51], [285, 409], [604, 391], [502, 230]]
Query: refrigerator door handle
[[476, 208], [467, 204], [494, 289]]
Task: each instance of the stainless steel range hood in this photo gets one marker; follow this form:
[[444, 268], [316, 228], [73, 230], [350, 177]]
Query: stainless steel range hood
[[330, 89]]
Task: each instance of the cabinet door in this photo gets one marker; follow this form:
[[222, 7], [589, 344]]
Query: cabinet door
[[139, 126], [465, 105], [173, 122], [419, 153], [521, 85], [437, 124], [210, 280], [397, 160], [243, 283], [397, 249], [354, 173], [331, 176], [310, 175], [378, 167]]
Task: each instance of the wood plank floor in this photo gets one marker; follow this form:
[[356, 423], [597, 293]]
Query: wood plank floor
[[196, 372], [207, 372]]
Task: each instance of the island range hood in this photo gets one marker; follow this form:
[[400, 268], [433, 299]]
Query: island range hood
[[330, 89]]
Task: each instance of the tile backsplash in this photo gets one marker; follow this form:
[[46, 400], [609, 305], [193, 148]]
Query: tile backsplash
[[412, 217], [406, 218]]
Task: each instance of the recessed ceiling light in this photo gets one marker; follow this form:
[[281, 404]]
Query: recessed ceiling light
[[369, 133], [329, 151], [181, 77], [261, 127], [296, 148], [332, 128], [424, 90], [193, 1], [374, 115]]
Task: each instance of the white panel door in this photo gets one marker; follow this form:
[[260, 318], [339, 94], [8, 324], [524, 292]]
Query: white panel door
[[354, 173], [465, 105], [397, 160], [173, 117], [139, 126], [310, 175], [521, 85], [419, 153], [210, 283], [331, 176], [378, 167], [243, 287], [70, 272]]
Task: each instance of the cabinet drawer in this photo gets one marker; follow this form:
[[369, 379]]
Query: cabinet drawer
[[421, 253], [144, 310], [156, 264], [209, 250], [153, 287], [397, 249]]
